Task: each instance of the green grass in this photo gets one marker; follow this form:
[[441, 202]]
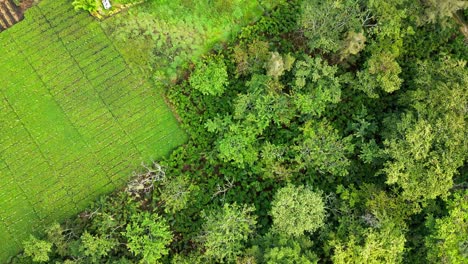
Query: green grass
[[74, 121]]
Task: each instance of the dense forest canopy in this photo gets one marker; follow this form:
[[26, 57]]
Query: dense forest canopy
[[327, 131]]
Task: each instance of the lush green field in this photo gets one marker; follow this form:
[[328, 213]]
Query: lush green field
[[74, 121]]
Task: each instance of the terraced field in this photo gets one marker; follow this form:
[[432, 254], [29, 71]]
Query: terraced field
[[74, 121]]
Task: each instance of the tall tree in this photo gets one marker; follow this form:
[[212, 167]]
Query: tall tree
[[429, 144], [296, 210], [225, 231]]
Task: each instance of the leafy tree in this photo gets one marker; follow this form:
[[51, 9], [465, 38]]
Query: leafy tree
[[277, 65], [352, 44], [148, 236], [448, 240], [210, 76], [274, 248], [176, 193], [384, 245], [297, 209], [96, 247], [429, 144], [315, 86], [238, 146], [440, 11], [37, 249], [275, 161], [321, 149], [252, 57], [325, 23], [382, 72], [55, 235], [225, 231]]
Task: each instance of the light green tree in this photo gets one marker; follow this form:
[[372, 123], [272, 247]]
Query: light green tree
[[96, 247], [436, 9], [37, 249], [321, 149], [448, 240], [176, 193], [210, 76], [326, 23], [55, 235], [384, 245], [283, 249], [225, 231], [296, 210], [315, 86], [428, 143], [148, 236], [86, 5]]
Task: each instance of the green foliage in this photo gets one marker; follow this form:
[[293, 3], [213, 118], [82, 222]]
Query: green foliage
[[225, 231], [429, 144], [251, 57], [448, 240], [278, 64], [177, 193], [353, 44], [162, 38], [96, 247], [326, 23], [382, 73], [315, 85], [381, 69], [37, 249], [280, 249], [148, 237], [297, 209], [439, 11], [385, 245], [210, 76], [55, 235], [86, 5], [321, 149], [238, 147]]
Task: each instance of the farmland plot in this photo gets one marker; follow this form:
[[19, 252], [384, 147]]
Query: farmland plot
[[74, 121]]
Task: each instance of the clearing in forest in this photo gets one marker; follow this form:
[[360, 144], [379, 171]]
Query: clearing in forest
[[74, 121]]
